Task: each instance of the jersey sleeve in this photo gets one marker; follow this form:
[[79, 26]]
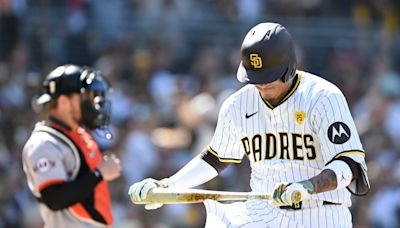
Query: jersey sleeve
[[43, 164], [338, 136], [225, 144]]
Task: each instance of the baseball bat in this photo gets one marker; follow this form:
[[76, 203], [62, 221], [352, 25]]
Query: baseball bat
[[181, 196]]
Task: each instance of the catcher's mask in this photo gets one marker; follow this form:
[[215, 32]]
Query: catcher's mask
[[89, 83]]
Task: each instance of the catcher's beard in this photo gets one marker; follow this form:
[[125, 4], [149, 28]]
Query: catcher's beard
[[76, 115]]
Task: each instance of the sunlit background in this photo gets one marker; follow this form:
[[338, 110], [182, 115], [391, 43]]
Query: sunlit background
[[171, 64]]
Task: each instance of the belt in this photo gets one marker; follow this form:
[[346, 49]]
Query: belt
[[298, 206]]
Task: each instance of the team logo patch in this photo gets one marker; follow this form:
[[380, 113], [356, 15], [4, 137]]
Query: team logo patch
[[43, 165], [255, 60], [339, 133], [299, 117]]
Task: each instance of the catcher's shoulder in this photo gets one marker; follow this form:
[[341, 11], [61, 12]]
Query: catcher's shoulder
[[40, 143]]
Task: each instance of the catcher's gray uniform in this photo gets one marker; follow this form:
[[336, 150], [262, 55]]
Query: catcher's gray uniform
[[50, 157]]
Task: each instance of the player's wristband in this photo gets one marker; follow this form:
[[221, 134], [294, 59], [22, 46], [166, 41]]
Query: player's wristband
[[342, 171]]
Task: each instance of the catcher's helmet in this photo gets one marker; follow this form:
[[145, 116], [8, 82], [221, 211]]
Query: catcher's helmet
[[68, 79], [267, 55], [62, 80]]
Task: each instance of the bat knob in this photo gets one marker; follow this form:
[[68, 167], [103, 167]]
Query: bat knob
[[296, 197]]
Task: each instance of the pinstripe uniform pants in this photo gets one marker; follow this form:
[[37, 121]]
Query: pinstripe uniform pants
[[258, 214]]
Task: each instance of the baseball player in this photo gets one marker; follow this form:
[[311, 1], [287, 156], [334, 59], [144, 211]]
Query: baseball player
[[65, 169], [297, 131]]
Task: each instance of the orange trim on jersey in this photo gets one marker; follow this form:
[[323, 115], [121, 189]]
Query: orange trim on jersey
[[230, 160], [103, 202], [92, 158], [287, 95], [359, 152], [80, 211], [48, 183]]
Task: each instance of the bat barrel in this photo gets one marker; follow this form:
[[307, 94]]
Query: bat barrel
[[179, 196]]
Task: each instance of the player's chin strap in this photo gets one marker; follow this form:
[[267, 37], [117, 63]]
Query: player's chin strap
[[195, 173]]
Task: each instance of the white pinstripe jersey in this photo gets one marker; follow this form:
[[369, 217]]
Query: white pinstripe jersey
[[290, 142]]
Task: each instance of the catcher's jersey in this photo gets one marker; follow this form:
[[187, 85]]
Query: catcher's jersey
[[51, 157], [290, 142]]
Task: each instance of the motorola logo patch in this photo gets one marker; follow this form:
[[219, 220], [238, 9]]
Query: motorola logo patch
[[339, 133]]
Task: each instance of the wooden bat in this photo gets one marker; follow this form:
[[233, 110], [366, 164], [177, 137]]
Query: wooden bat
[[180, 196]]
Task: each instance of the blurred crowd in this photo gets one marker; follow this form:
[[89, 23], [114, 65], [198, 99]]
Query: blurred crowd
[[171, 64]]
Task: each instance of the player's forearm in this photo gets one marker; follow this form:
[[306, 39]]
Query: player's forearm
[[323, 182], [64, 195], [337, 174], [195, 173]]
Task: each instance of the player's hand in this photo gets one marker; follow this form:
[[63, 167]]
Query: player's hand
[[284, 192], [110, 167], [138, 191]]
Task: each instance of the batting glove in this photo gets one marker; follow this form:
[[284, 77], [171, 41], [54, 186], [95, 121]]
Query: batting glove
[[138, 191], [283, 192]]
